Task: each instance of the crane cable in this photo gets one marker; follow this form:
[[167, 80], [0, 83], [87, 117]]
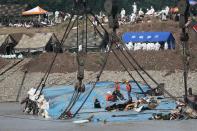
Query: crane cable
[[121, 62], [125, 66], [141, 68], [127, 50], [138, 65], [46, 75], [97, 79], [84, 31], [71, 103], [76, 94], [134, 67]]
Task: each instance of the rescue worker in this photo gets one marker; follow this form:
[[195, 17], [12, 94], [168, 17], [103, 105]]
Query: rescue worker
[[116, 93], [128, 88], [117, 86], [110, 97], [97, 103]]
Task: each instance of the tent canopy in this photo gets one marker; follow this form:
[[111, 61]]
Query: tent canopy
[[149, 37], [39, 40], [35, 11], [6, 39], [7, 44], [3, 38]]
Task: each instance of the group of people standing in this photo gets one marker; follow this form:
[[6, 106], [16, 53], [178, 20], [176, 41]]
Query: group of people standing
[[116, 94]]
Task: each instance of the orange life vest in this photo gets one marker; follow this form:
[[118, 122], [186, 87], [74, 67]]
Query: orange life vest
[[128, 87], [109, 97], [117, 87]]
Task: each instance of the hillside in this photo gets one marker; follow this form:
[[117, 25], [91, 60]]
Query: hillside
[[164, 66], [96, 5], [150, 60]]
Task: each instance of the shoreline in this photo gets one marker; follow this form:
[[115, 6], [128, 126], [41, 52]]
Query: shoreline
[[173, 81]]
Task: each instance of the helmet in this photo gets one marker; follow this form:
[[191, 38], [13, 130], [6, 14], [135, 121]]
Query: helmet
[[109, 92], [116, 81]]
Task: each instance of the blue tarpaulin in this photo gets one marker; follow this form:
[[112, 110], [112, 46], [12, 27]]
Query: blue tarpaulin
[[60, 96], [149, 37]]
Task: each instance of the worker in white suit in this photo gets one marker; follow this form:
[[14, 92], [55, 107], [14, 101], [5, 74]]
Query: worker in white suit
[[166, 46], [122, 14]]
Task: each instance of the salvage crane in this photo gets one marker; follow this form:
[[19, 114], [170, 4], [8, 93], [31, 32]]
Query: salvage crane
[[111, 40]]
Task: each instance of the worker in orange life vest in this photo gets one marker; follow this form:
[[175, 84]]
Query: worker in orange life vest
[[116, 93], [117, 86], [109, 96], [128, 87]]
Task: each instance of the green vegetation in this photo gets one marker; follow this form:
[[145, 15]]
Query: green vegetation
[[97, 5]]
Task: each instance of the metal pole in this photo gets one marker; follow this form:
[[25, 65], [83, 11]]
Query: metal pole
[[185, 72]]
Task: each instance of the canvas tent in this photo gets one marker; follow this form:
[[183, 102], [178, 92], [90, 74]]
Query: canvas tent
[[94, 42], [35, 11], [40, 42], [150, 37], [7, 44]]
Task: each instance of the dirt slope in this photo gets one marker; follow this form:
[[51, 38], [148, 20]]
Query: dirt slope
[[150, 60]]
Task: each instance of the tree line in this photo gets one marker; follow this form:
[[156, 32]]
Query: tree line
[[96, 5]]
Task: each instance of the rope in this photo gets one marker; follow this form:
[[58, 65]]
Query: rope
[[164, 90], [72, 101], [21, 86], [129, 53], [65, 33], [76, 93], [86, 20], [73, 98], [133, 66], [96, 18], [121, 62], [16, 67], [45, 77], [15, 64], [101, 35], [94, 84]]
